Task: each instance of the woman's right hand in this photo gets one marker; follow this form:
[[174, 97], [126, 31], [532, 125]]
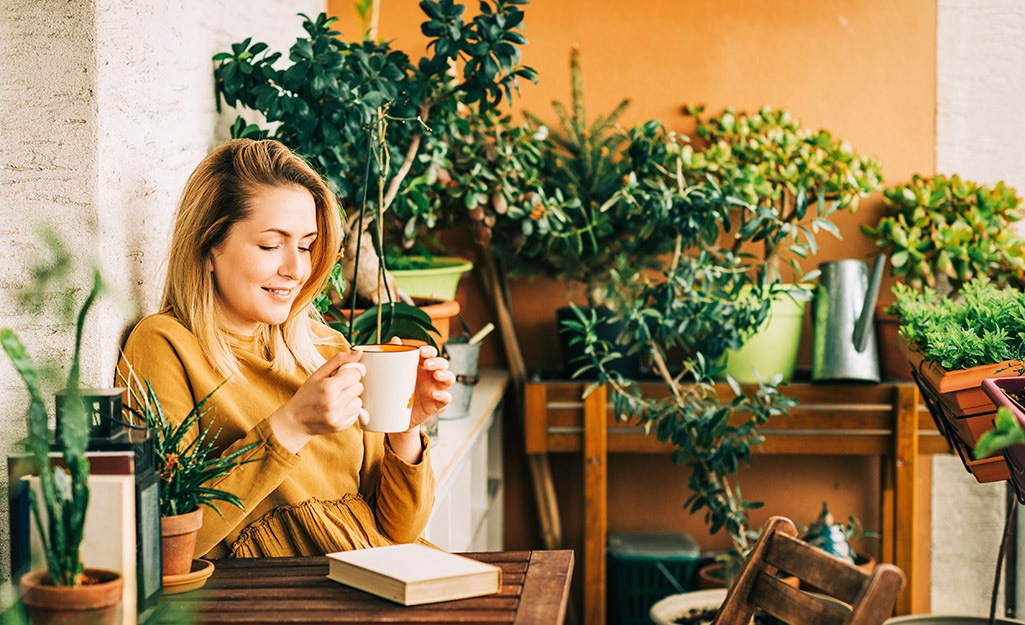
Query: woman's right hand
[[327, 402]]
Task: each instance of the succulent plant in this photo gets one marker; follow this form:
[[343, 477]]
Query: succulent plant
[[945, 226]]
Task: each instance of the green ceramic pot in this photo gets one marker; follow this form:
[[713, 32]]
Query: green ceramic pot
[[773, 349], [438, 280]]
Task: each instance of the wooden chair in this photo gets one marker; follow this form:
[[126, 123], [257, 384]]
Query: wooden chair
[[870, 596]]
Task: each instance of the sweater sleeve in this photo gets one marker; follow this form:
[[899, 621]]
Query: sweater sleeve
[[402, 494], [153, 355]]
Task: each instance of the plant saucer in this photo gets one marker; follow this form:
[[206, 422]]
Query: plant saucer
[[201, 571]]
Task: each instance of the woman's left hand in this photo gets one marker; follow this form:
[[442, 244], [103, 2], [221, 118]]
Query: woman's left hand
[[432, 381], [429, 396]]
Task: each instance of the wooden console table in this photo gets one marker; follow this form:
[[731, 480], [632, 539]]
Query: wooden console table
[[884, 420]]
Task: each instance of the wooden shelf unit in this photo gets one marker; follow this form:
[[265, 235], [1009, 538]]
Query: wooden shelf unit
[[467, 460], [884, 420]]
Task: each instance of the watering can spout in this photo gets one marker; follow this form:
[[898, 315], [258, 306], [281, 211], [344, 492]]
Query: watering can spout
[[861, 333]]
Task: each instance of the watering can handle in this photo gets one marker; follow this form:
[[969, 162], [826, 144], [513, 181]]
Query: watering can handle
[[868, 309]]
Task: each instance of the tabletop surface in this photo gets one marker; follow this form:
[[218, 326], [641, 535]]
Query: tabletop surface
[[535, 588]]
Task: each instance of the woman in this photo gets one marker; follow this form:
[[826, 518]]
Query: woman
[[255, 236]]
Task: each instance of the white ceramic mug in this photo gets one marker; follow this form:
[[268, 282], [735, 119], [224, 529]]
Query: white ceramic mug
[[389, 381]]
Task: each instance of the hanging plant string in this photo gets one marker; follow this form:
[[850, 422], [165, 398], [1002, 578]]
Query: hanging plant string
[[383, 158], [377, 147], [359, 241]]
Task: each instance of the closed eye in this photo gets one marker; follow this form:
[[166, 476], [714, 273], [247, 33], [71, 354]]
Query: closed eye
[[268, 247]]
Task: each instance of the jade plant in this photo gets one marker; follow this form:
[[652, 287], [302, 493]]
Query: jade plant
[[65, 490], [790, 179], [985, 325], [344, 104], [945, 227]]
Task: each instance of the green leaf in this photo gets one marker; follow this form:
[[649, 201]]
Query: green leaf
[[1007, 431]]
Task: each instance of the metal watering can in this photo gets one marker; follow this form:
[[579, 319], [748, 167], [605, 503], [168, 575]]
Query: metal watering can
[[845, 301]]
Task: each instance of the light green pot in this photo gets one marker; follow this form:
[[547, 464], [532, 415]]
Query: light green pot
[[438, 281], [773, 349]]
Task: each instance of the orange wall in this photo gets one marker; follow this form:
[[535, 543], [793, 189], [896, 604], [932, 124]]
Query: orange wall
[[863, 70]]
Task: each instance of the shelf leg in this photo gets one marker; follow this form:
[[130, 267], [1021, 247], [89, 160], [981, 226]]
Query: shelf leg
[[906, 504], [595, 504]]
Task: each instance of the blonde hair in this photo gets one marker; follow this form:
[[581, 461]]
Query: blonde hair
[[216, 197]]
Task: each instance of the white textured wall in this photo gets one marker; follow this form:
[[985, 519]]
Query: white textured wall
[[105, 108], [980, 134]]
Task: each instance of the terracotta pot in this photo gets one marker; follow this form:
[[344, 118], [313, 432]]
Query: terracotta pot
[[960, 390], [967, 411], [95, 602], [892, 364], [712, 576], [178, 541], [440, 312]]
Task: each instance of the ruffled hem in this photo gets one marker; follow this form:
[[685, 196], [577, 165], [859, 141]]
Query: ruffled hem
[[313, 527]]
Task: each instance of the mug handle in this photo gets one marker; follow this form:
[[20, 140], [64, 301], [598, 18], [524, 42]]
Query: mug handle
[[364, 416]]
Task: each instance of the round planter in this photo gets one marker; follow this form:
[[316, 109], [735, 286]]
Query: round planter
[[440, 312], [438, 281], [892, 364], [773, 349], [939, 619], [178, 541], [91, 603], [666, 611]]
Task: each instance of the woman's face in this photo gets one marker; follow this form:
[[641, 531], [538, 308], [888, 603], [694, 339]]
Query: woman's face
[[265, 260]]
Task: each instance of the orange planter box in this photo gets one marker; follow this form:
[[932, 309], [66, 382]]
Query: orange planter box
[[959, 390], [966, 408]]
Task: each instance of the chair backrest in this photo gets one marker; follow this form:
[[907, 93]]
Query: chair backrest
[[871, 596]]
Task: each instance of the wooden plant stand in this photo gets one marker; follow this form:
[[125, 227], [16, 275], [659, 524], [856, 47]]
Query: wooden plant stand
[[882, 420]]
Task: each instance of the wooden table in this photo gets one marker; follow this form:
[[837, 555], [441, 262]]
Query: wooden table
[[884, 420], [535, 587]]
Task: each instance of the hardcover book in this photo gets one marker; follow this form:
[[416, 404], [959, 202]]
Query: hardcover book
[[413, 574]]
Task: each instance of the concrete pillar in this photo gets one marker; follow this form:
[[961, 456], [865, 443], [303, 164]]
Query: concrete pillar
[[106, 107], [979, 125]]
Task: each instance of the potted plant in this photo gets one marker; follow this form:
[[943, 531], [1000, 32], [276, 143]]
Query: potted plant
[[65, 590], [684, 320], [351, 107], [941, 232], [564, 221], [790, 180], [835, 538], [952, 346], [186, 465]]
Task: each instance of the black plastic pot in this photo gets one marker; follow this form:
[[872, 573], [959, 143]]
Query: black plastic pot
[[609, 328]]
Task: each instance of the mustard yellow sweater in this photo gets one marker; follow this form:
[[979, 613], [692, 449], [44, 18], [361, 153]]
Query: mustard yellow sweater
[[347, 490]]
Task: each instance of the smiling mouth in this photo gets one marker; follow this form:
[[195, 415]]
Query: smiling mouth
[[282, 293]]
